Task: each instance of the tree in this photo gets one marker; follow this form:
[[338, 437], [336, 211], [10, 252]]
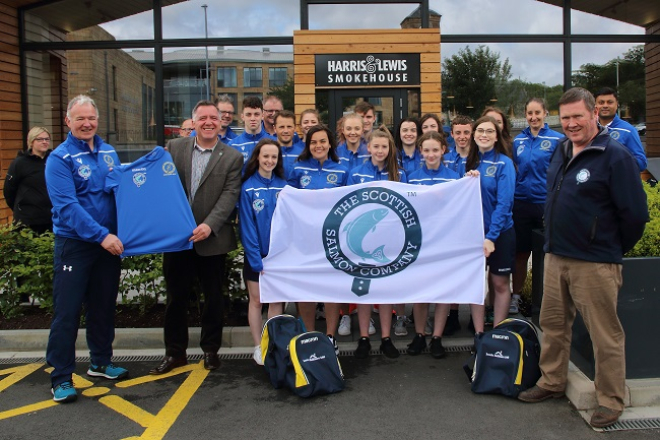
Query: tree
[[632, 93], [472, 78], [285, 92]]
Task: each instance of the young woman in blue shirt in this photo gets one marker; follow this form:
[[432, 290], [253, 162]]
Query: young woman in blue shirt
[[262, 182]]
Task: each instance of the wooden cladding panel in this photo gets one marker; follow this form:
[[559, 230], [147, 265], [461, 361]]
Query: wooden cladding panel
[[10, 103], [426, 42], [652, 57]]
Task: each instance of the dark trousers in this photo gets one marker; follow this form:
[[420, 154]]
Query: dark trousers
[[83, 273], [180, 270]]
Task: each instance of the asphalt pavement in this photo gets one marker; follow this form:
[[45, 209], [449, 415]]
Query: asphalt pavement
[[409, 397]]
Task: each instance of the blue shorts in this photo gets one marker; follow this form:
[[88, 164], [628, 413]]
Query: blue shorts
[[526, 217], [501, 262]]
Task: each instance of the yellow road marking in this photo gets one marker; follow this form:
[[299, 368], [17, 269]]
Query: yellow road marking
[[27, 409], [156, 426], [128, 410], [16, 374], [95, 391], [152, 378], [166, 417]]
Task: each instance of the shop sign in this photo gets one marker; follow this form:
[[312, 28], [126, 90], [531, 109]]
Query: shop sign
[[367, 69]]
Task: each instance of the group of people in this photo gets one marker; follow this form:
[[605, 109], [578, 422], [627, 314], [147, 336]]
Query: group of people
[[596, 211]]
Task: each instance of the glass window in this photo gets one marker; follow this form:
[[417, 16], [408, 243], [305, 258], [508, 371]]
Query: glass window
[[226, 76], [252, 77], [277, 76], [128, 123], [258, 95], [66, 20]]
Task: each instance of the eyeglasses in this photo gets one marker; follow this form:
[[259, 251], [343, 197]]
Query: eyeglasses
[[270, 111], [489, 131], [42, 139], [226, 113], [186, 129]]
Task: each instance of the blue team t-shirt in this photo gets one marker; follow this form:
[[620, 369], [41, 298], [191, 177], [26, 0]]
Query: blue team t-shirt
[[153, 214]]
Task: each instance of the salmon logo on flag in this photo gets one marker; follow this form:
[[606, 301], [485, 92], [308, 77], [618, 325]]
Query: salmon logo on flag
[[371, 233]]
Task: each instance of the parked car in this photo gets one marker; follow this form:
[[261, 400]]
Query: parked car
[[641, 128]]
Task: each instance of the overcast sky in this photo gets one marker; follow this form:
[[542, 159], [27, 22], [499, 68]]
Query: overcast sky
[[530, 62]]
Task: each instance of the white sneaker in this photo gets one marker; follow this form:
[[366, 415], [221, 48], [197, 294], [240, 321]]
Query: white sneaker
[[372, 326], [257, 355], [515, 304], [344, 326], [400, 326]]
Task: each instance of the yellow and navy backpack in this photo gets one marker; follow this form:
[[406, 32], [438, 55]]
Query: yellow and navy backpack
[[315, 369], [506, 360], [275, 337]]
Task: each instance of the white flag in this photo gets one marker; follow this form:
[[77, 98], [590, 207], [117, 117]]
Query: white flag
[[377, 243]]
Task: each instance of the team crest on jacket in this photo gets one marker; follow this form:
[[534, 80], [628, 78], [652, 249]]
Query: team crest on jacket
[[169, 169], [305, 180], [109, 161], [545, 145], [139, 179], [258, 205], [614, 134], [521, 148], [371, 233], [332, 178], [84, 171], [582, 175], [491, 170]]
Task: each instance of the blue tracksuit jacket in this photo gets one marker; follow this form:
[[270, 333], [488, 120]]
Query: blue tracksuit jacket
[[75, 178], [532, 156], [257, 204]]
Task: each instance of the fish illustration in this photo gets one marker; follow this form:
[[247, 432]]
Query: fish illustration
[[359, 228]]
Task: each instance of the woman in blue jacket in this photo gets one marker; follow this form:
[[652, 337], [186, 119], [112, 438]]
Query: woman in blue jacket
[[433, 147], [488, 155], [407, 134], [262, 182], [318, 167], [532, 150], [382, 165]]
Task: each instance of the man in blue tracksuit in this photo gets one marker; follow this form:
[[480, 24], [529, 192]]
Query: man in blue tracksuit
[[607, 104], [595, 212], [86, 262], [252, 116]]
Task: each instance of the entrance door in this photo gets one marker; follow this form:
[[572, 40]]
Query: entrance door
[[391, 105]]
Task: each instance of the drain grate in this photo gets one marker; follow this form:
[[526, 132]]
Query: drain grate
[[634, 424], [198, 357], [32, 360]]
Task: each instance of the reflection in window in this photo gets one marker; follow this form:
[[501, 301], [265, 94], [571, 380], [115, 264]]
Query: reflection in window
[[277, 76], [252, 77], [226, 77]]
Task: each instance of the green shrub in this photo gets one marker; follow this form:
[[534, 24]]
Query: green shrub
[[649, 244], [26, 268]]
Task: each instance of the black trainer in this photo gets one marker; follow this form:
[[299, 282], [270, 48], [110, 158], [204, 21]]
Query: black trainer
[[417, 345], [363, 348], [437, 350], [452, 325], [388, 349]]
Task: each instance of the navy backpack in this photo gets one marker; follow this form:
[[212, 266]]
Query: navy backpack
[[506, 360]]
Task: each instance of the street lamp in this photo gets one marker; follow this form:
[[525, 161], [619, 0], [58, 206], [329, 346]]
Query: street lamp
[[206, 48]]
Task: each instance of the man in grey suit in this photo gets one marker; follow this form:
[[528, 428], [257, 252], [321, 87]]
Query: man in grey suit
[[210, 172]]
